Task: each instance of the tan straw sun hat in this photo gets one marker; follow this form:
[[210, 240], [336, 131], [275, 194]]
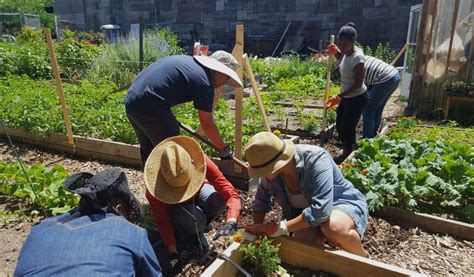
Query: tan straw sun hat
[[266, 153], [175, 170], [223, 62]]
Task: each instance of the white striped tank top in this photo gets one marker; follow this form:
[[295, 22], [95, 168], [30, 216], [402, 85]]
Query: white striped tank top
[[377, 71]]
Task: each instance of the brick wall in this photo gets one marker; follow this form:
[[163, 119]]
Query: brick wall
[[264, 20]]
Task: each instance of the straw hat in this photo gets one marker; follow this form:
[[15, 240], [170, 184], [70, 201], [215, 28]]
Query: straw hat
[[266, 154], [223, 62], [175, 170]]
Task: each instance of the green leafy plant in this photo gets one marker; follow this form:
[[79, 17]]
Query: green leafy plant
[[46, 187], [260, 257], [429, 176]]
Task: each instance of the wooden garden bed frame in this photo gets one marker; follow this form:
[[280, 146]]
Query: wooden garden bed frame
[[298, 253], [117, 152]]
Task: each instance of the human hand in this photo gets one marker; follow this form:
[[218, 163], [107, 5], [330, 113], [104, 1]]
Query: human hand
[[225, 230], [268, 229], [226, 153], [333, 101]]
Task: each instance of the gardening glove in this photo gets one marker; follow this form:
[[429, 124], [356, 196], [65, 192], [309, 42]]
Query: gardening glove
[[227, 229], [226, 153], [272, 230], [332, 49], [333, 101], [174, 264]]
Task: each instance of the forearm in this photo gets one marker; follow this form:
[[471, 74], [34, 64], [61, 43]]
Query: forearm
[[258, 217], [210, 129], [297, 223]]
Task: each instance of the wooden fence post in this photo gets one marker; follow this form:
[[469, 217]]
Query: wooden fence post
[[326, 92], [238, 52]]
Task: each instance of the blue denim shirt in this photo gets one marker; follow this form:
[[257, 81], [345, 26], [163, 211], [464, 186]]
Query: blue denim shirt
[[88, 245], [322, 185]]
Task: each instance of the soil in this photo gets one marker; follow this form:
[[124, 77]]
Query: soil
[[411, 248]]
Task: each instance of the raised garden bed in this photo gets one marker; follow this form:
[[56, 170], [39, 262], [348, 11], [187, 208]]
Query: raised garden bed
[[117, 152], [297, 253], [361, 168]]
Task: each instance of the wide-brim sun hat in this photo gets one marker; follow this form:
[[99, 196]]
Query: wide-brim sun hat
[[223, 62], [266, 153], [175, 170]]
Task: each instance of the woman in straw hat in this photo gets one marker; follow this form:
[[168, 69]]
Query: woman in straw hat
[[187, 191], [318, 203], [174, 80]]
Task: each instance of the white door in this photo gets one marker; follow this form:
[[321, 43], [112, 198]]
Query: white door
[[409, 60]]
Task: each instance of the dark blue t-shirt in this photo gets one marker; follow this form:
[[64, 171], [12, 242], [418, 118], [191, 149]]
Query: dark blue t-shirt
[[168, 82]]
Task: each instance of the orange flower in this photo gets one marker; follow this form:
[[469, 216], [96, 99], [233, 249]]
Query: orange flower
[[238, 238], [363, 171], [356, 164], [257, 242], [332, 49]]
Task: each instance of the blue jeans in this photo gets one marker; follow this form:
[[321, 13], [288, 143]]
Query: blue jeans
[[153, 129], [73, 244], [195, 215], [379, 95]]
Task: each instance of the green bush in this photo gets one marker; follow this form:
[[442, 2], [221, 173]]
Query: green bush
[[260, 257]]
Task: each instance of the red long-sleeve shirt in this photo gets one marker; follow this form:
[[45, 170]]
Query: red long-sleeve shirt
[[215, 178]]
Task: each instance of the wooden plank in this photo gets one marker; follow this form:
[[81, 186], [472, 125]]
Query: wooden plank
[[222, 268], [256, 92], [429, 222], [338, 262], [316, 258], [239, 95], [290, 104], [404, 48], [327, 88], [62, 100], [110, 151]]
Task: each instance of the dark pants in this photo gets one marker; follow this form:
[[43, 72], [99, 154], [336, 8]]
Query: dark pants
[[379, 95], [348, 115], [153, 129]]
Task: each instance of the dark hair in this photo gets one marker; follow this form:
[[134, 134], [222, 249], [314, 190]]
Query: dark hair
[[348, 32]]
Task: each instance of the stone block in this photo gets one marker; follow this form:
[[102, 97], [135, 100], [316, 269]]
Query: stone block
[[344, 4], [386, 3], [327, 6], [305, 5], [297, 16], [375, 12], [242, 15]]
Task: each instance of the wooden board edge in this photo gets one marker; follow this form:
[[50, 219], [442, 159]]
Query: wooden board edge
[[429, 222], [298, 253], [221, 267]]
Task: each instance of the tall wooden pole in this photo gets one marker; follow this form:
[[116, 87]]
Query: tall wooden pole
[[238, 52], [326, 92], [140, 43], [54, 63], [256, 92]]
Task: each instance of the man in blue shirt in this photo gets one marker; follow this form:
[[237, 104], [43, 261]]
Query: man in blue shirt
[[95, 239], [174, 80]]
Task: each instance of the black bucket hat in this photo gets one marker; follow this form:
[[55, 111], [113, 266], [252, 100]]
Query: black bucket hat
[[97, 190]]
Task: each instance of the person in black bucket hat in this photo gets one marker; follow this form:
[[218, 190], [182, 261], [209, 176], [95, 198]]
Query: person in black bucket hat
[[95, 238]]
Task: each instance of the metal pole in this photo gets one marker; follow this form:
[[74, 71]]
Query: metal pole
[[281, 39]]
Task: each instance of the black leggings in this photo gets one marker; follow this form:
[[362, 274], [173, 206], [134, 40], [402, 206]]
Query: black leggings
[[348, 115]]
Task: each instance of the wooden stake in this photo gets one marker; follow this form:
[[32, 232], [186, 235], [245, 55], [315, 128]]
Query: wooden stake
[[453, 30], [286, 128], [404, 48], [140, 43], [326, 92], [256, 92], [239, 94], [54, 63]]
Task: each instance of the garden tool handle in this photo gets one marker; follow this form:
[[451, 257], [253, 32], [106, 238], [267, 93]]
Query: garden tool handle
[[241, 269], [206, 141]]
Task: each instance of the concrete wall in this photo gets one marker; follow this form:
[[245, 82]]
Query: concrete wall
[[264, 20]]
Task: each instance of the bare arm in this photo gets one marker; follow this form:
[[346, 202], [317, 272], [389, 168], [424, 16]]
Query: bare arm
[[210, 129], [296, 224], [359, 75]]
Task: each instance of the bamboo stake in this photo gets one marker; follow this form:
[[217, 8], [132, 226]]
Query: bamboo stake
[[326, 92], [62, 100], [256, 92], [453, 29], [239, 94]]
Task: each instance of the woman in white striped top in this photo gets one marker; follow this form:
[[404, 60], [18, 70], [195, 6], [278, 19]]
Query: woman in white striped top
[[381, 80]]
